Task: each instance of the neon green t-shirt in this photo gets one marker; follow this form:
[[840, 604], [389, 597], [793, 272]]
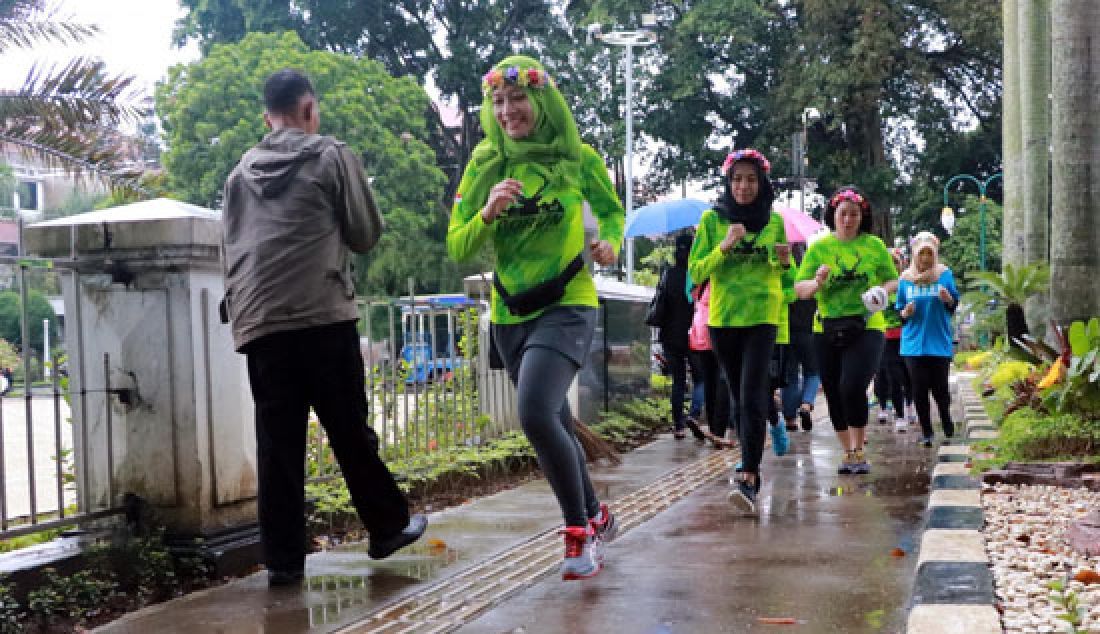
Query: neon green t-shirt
[[891, 315], [535, 242], [783, 332], [746, 289], [856, 265]]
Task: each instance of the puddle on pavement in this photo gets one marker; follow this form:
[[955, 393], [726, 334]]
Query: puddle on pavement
[[890, 486]]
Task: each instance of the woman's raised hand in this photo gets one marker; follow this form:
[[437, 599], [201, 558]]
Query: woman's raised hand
[[783, 254], [945, 297], [822, 274], [733, 236], [602, 252], [501, 196]]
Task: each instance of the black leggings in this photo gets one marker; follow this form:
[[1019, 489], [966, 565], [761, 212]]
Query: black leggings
[[679, 361], [745, 354], [930, 373], [845, 374], [892, 379], [716, 392]]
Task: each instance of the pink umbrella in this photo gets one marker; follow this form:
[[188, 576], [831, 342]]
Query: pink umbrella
[[798, 225]]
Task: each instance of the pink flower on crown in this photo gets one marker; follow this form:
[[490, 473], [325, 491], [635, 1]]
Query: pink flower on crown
[[748, 154], [850, 196]]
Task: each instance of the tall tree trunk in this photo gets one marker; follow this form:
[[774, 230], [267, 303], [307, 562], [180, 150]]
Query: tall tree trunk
[[1012, 148], [1034, 33], [1075, 219]]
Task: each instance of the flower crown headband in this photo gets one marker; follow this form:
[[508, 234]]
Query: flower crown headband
[[747, 154], [850, 196], [522, 77]]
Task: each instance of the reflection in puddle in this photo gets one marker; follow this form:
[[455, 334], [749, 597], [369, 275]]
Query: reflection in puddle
[[331, 595], [898, 486]]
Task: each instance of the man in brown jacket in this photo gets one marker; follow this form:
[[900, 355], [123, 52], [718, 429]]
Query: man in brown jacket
[[296, 206]]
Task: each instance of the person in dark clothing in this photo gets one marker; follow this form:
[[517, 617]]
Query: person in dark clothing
[[296, 206], [803, 379], [674, 335]]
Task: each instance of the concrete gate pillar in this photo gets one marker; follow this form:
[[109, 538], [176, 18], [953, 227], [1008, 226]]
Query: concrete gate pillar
[[160, 400]]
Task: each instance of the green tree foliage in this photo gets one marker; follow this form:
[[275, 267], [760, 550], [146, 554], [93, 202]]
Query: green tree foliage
[[744, 70], [62, 115], [452, 41], [38, 309], [211, 112]]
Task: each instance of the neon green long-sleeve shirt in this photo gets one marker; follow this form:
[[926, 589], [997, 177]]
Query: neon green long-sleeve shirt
[[746, 284], [536, 243]]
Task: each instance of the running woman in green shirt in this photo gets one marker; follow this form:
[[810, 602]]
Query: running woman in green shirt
[[523, 192], [741, 247], [852, 274]]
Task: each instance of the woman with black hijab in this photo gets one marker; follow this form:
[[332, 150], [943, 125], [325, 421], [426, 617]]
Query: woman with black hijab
[[741, 248]]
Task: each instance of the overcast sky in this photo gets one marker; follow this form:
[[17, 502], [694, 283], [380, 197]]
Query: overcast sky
[[135, 38]]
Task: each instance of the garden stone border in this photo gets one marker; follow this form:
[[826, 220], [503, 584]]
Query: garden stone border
[[953, 591]]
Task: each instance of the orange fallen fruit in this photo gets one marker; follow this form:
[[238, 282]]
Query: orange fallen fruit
[[897, 552]]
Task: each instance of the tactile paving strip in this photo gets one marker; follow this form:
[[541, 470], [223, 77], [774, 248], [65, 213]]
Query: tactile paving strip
[[458, 600]]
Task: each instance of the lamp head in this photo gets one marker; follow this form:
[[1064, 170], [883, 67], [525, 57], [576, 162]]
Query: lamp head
[[947, 219]]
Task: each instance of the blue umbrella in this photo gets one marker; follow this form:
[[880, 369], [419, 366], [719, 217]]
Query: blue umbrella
[[665, 217]]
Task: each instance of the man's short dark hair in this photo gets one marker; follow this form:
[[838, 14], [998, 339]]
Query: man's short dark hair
[[283, 89]]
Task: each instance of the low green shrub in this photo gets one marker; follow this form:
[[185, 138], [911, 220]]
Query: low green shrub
[[1030, 435], [1009, 372]]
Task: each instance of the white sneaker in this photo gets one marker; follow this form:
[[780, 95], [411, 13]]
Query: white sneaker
[[911, 412], [901, 425], [882, 417]]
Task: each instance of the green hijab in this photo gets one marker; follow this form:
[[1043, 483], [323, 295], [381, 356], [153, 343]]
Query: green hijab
[[554, 144]]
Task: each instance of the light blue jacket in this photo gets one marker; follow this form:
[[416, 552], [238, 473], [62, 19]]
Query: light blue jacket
[[928, 330]]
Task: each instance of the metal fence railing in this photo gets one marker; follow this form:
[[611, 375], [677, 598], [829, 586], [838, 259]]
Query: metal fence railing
[[428, 384], [41, 445]]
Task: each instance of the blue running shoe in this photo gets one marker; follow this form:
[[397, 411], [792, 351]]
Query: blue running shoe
[[780, 442]]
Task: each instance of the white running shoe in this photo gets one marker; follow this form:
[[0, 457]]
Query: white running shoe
[[901, 425]]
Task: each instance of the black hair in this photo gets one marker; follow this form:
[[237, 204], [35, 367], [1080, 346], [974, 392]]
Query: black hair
[[865, 218], [283, 89], [754, 216]]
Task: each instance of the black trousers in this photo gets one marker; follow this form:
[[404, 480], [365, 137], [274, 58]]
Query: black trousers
[[845, 374], [716, 392], [930, 374], [290, 372], [745, 355], [680, 360], [892, 379]]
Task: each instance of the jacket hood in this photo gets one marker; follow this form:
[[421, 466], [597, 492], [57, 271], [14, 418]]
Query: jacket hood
[[272, 165]]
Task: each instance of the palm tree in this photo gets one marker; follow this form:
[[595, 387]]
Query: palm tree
[[1013, 287], [62, 116], [1074, 256]]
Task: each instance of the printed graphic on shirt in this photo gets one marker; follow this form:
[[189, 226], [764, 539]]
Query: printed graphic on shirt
[[849, 274], [532, 212], [854, 266], [746, 250]]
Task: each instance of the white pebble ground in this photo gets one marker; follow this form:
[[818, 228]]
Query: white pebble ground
[[1025, 536]]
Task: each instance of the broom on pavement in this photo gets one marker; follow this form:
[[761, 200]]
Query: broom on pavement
[[595, 447]]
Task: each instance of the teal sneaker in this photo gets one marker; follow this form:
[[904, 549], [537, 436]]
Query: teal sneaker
[[780, 442]]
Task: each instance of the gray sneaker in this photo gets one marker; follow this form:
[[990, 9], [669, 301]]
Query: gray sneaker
[[579, 562]]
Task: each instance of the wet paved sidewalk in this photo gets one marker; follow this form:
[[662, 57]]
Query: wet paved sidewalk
[[822, 552]]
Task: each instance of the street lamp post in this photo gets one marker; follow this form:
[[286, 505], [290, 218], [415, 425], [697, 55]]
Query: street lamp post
[[808, 114], [628, 40], [948, 214]]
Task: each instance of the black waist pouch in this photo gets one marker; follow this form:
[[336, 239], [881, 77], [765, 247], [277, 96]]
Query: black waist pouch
[[540, 295], [841, 332]]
